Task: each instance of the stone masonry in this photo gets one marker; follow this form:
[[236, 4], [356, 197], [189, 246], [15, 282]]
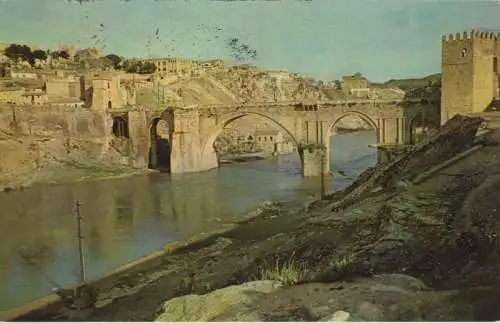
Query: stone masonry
[[309, 125], [470, 73]]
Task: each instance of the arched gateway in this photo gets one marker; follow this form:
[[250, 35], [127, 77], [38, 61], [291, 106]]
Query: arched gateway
[[309, 126]]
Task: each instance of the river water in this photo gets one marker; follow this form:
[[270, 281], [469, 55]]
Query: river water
[[125, 219]]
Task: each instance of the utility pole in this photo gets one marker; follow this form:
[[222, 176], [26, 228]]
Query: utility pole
[[80, 242]]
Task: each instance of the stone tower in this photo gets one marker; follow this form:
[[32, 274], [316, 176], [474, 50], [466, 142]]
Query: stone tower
[[101, 96], [469, 72]]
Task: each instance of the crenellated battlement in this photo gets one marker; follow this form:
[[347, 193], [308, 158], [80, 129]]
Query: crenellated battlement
[[470, 72], [468, 35]]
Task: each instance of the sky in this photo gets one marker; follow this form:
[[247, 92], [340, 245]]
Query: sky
[[325, 39]]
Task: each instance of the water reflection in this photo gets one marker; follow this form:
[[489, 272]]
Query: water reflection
[[125, 219]]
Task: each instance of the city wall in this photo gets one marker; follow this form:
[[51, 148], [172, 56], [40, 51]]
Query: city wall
[[38, 138]]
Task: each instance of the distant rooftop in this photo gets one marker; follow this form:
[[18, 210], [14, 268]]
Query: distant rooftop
[[356, 76]]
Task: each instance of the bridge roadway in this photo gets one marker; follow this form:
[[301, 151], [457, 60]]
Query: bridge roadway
[[278, 104]]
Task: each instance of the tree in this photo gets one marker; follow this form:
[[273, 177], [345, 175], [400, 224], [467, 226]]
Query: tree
[[39, 54], [15, 51], [139, 67], [64, 54], [130, 66], [115, 59], [147, 68], [106, 62]]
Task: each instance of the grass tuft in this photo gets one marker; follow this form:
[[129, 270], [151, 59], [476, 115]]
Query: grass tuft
[[290, 272]]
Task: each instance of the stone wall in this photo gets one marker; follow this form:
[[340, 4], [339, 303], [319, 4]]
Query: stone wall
[[62, 88], [469, 73], [35, 138]]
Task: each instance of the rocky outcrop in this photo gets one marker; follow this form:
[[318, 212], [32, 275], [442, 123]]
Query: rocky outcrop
[[236, 86], [38, 141], [236, 300], [442, 231], [388, 297], [456, 136]]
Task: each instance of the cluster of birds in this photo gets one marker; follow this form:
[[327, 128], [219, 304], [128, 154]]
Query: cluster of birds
[[204, 34], [240, 51], [170, 44]]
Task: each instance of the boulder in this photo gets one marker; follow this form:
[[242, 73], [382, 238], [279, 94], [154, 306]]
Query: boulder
[[237, 301], [385, 297]]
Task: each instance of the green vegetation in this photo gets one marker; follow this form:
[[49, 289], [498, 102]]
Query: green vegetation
[[62, 54], [115, 59], [289, 273], [139, 67], [342, 264], [24, 53]]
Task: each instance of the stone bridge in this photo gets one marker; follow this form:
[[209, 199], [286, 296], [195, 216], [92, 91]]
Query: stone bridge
[[192, 130]]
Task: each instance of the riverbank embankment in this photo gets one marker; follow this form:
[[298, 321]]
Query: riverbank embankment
[[69, 173], [392, 246]]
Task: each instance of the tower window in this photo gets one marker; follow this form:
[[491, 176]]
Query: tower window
[[464, 52]]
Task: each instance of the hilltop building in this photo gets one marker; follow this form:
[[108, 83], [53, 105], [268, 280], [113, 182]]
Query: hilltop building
[[211, 65], [356, 85], [183, 66], [97, 91], [470, 73], [166, 66]]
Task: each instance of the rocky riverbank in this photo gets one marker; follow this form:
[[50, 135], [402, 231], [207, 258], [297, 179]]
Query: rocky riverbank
[[415, 239]]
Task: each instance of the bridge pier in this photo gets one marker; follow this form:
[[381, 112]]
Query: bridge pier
[[185, 154], [314, 162], [139, 136]]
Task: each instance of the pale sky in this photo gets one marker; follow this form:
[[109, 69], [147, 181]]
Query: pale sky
[[325, 39]]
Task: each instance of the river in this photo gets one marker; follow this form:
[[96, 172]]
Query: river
[[127, 218]]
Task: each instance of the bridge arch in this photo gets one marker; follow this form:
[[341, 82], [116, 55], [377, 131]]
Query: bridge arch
[[160, 146], [419, 125], [208, 146], [363, 116], [331, 130]]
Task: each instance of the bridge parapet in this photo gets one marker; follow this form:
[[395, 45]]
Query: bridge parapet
[[323, 103]]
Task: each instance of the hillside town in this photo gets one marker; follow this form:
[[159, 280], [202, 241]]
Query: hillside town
[[88, 79], [342, 174]]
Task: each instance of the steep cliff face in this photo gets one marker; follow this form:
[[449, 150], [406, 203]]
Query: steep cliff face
[[234, 86], [36, 142]]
